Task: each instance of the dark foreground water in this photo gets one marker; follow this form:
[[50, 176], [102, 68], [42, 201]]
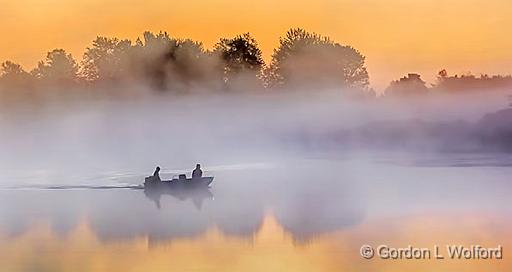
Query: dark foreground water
[[303, 215]]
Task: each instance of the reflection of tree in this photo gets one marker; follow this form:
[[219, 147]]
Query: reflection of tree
[[304, 210], [321, 205]]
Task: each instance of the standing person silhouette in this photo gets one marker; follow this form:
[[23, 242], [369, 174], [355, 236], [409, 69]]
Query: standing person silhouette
[[197, 173]]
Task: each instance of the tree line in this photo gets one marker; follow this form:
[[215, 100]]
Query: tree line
[[302, 60], [413, 85]]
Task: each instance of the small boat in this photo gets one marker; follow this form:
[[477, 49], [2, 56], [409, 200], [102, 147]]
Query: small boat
[[182, 182]]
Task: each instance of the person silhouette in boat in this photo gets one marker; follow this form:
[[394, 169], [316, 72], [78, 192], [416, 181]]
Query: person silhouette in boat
[[156, 174], [197, 173]]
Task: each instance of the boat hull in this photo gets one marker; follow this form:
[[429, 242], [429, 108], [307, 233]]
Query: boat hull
[[189, 183]]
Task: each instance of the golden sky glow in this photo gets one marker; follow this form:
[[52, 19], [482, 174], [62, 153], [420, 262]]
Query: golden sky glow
[[271, 249], [397, 36]]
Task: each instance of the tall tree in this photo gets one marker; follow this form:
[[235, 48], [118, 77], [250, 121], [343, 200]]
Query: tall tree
[[412, 84], [173, 64], [305, 59], [241, 59], [12, 75], [152, 54], [59, 67], [194, 67], [107, 59]]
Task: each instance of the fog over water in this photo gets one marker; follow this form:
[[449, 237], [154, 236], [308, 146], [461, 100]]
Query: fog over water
[[276, 154], [89, 137]]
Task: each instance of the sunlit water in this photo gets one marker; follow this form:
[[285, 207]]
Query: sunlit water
[[283, 215]]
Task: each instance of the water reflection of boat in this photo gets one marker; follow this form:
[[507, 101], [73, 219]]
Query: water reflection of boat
[[182, 188]]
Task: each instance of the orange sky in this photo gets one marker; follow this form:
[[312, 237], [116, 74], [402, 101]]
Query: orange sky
[[397, 36]]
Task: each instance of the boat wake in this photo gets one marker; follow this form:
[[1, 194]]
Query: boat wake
[[77, 187]]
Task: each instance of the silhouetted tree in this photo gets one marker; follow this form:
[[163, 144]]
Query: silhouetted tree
[[305, 59], [12, 75], [470, 82], [242, 60], [412, 84], [153, 54], [174, 64], [442, 74], [156, 44], [302, 59], [194, 67], [58, 68], [108, 59]]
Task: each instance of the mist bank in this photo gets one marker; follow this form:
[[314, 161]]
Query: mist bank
[[71, 136], [492, 133]]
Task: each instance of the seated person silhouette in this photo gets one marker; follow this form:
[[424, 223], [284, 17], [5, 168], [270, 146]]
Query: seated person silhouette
[[156, 174], [197, 173]]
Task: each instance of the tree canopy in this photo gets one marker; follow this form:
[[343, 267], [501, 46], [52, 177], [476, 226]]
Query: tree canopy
[[469, 82], [303, 59], [12, 75], [412, 84], [310, 60], [59, 67], [241, 60], [106, 60]]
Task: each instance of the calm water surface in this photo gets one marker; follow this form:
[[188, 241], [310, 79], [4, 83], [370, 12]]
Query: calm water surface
[[302, 215]]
